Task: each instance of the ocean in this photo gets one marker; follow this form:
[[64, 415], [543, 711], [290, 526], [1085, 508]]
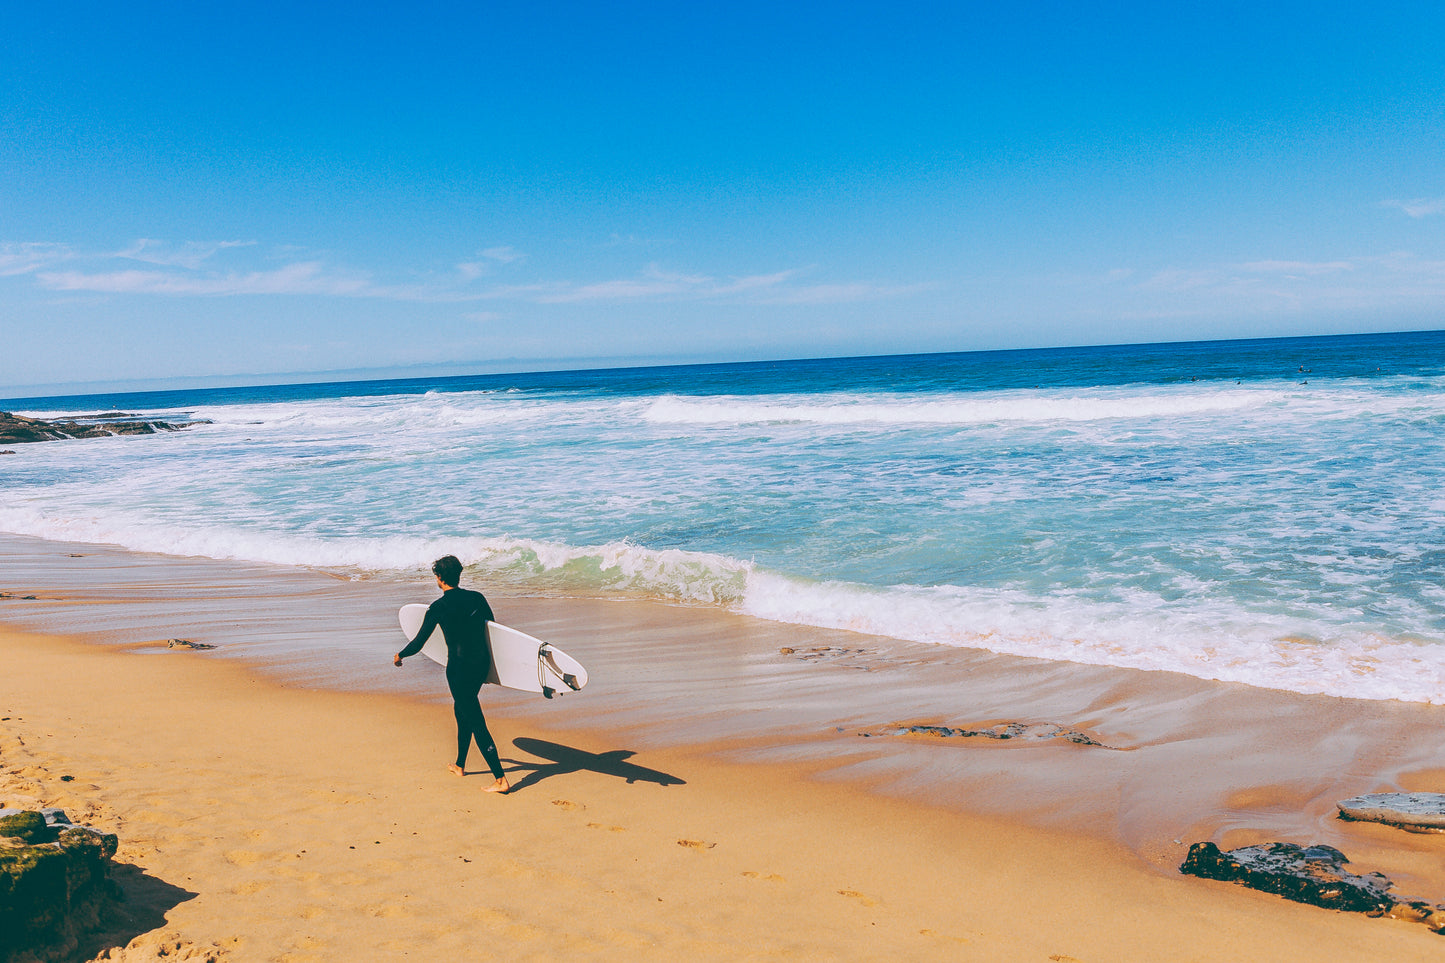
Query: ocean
[[1265, 512]]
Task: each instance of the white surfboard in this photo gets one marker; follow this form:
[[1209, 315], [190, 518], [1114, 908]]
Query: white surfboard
[[518, 660]]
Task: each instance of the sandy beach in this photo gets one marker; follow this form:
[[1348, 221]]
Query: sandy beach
[[267, 814]]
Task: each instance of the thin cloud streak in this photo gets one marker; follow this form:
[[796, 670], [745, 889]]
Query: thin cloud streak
[[1398, 278], [192, 269], [190, 255], [774, 288], [31, 256], [1418, 207], [1295, 269], [304, 278], [847, 293]]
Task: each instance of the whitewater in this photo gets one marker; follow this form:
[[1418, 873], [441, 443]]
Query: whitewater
[[1262, 512]]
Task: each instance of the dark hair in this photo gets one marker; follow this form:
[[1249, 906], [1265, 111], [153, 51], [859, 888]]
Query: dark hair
[[448, 569]]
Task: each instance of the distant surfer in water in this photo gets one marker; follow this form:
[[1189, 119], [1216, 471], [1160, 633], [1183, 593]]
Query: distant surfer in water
[[463, 616]]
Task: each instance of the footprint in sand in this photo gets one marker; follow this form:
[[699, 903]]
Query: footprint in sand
[[770, 878], [567, 805], [931, 934], [853, 894], [696, 845], [389, 911], [615, 829], [493, 919], [241, 857]]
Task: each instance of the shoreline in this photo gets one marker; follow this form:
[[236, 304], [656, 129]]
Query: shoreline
[[794, 750]]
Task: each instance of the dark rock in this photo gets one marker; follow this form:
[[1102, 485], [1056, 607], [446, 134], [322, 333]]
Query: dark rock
[[187, 644], [16, 429], [53, 886], [7, 451], [1001, 731], [1309, 874], [1417, 812]]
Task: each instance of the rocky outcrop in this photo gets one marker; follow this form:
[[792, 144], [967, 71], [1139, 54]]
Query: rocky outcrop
[[1310, 874], [54, 882], [1416, 812], [17, 429]]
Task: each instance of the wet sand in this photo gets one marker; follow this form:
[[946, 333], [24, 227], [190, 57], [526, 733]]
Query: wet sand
[[707, 795]]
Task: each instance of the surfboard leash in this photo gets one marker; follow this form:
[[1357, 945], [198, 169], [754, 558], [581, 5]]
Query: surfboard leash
[[544, 660]]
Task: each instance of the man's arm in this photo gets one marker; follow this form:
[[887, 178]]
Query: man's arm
[[428, 625]]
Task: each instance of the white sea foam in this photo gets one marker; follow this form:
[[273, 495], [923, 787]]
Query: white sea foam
[[619, 567], [992, 409], [1142, 632], [1150, 634]]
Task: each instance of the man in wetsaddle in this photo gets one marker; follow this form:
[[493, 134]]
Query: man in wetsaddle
[[463, 616]]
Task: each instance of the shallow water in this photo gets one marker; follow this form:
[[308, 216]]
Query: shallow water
[[1168, 759]]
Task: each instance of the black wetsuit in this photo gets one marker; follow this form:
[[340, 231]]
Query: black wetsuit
[[463, 616]]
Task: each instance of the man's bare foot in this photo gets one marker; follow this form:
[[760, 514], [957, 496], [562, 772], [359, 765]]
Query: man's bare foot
[[501, 785], [456, 770]]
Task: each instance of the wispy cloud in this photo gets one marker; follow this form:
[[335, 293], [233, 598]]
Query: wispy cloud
[[190, 254], [657, 284], [1182, 279], [488, 260], [1418, 207], [194, 269], [29, 257], [1355, 283], [1297, 269], [217, 269], [845, 293], [302, 278], [504, 255], [653, 282]]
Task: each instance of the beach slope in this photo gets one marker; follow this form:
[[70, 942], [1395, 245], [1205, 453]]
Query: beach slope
[[263, 821]]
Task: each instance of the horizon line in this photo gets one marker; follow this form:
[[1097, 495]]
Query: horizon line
[[518, 366]]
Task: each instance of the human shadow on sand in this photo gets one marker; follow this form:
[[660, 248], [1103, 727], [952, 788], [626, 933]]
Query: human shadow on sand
[[563, 760]]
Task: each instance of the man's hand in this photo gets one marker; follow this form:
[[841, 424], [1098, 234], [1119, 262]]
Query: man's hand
[[397, 660]]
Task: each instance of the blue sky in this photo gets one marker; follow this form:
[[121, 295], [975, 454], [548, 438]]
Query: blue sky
[[223, 191]]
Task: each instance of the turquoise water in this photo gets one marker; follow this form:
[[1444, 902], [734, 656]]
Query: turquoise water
[[1268, 512]]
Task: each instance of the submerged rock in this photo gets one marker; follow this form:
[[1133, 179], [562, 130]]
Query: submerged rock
[[17, 429], [1310, 874], [54, 879], [1023, 731], [187, 644], [1418, 812]]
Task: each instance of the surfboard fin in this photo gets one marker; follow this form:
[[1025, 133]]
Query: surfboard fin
[[548, 692]]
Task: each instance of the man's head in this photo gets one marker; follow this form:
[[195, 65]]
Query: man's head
[[448, 570]]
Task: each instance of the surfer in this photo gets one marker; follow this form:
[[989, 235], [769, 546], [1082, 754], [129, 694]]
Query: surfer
[[463, 616]]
